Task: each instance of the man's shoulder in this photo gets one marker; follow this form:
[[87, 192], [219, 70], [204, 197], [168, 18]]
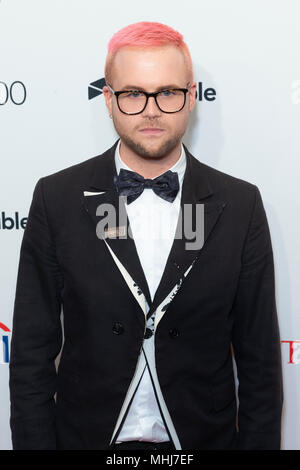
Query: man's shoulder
[[73, 175], [77, 173], [222, 181], [75, 178]]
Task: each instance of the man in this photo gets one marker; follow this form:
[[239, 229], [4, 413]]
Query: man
[[150, 323]]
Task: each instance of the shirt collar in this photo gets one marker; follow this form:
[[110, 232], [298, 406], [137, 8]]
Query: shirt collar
[[179, 166]]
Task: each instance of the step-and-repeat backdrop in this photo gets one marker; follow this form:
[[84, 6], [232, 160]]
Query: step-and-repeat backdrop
[[245, 123]]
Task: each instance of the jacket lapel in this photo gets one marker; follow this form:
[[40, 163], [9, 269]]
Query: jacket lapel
[[124, 248], [196, 189]]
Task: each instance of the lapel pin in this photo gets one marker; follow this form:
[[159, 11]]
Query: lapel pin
[[114, 232]]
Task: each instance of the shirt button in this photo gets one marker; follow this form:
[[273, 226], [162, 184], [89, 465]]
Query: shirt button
[[173, 332], [148, 333], [118, 328]]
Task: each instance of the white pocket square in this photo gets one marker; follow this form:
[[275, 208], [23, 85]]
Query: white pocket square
[[92, 193]]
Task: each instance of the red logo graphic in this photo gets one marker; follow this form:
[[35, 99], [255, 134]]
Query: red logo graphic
[[5, 344], [294, 351], [4, 327]]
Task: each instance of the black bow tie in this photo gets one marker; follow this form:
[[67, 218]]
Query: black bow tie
[[131, 184]]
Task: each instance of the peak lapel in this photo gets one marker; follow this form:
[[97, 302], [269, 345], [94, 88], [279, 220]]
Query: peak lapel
[[196, 189], [101, 192]]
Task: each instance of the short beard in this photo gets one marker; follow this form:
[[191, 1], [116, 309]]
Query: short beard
[[140, 150]]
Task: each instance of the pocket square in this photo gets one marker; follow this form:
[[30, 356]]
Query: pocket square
[[92, 193]]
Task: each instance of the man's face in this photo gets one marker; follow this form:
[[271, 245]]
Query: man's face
[[148, 70]]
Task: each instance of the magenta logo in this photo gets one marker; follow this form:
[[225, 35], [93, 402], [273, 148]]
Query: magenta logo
[[5, 343]]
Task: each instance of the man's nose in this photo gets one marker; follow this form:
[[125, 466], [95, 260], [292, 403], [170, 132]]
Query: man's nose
[[151, 109]]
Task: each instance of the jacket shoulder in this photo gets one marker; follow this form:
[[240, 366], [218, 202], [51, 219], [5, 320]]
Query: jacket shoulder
[[75, 177], [74, 174], [224, 180], [238, 193]]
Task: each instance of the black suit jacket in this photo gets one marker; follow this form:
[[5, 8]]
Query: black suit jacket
[[211, 301]]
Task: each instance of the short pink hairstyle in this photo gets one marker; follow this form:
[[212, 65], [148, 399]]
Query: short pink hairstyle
[[146, 34]]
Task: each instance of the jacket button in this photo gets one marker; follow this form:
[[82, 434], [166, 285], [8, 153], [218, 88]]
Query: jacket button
[[173, 332], [148, 333], [118, 328]]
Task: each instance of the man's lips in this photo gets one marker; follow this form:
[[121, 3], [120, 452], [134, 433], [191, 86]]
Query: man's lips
[[151, 130]]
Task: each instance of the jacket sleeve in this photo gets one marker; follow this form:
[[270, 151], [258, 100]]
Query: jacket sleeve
[[37, 333], [256, 341]]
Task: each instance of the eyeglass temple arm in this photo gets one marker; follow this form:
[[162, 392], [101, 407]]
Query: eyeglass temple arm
[[110, 88]]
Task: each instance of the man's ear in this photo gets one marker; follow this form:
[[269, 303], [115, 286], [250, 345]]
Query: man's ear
[[108, 98]]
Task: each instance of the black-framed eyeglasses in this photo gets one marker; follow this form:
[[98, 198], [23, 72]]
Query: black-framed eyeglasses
[[135, 101]]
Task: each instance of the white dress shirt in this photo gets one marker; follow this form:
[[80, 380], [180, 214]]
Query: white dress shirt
[[153, 222]]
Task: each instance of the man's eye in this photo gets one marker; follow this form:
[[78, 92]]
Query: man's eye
[[134, 94], [167, 92]]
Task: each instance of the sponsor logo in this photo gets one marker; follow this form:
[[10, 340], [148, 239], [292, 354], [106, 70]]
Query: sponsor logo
[[14, 93], [9, 223], [5, 336], [95, 88], [205, 94], [293, 351]]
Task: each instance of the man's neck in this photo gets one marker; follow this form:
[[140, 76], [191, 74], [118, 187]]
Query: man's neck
[[149, 167]]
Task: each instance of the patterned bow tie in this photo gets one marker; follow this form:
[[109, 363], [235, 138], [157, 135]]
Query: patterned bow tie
[[131, 184]]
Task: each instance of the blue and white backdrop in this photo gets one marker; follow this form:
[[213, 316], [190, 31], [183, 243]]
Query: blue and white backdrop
[[245, 123]]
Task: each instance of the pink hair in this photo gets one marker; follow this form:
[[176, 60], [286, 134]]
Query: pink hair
[[146, 34]]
